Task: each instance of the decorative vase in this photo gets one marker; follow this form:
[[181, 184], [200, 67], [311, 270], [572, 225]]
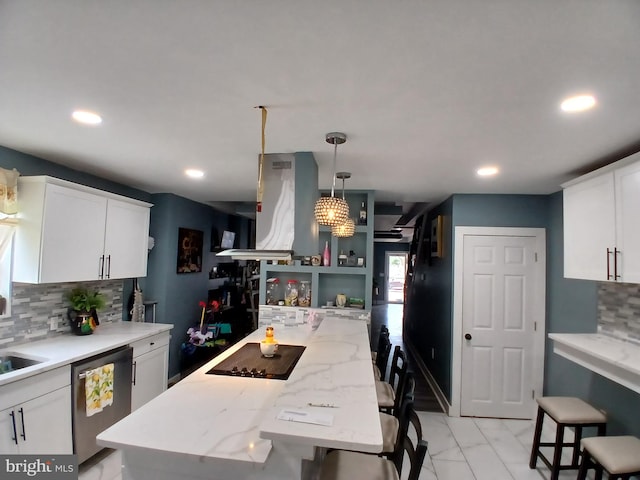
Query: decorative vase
[[82, 323], [341, 300], [326, 255]]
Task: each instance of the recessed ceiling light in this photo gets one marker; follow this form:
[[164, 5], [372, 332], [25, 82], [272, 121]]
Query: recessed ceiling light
[[86, 117], [578, 103], [193, 173], [487, 171]]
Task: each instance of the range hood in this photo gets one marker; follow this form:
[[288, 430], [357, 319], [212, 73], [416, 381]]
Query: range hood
[[286, 224], [249, 254]]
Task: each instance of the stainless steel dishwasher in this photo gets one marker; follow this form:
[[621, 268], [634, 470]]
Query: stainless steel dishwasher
[[101, 389]]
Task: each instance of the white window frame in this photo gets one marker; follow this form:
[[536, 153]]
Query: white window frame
[[7, 239]]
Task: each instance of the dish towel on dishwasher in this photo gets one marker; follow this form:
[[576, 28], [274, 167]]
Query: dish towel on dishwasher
[[98, 388]]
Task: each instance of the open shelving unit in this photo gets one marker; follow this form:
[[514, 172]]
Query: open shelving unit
[[327, 282]]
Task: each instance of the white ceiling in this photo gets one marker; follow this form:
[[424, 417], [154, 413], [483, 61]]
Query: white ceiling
[[426, 90]]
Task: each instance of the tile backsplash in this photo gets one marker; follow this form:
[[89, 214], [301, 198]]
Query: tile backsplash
[[32, 307], [619, 310]]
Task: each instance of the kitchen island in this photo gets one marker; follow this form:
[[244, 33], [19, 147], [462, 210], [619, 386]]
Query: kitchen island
[[226, 427]]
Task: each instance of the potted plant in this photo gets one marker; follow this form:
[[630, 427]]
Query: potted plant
[[83, 316]]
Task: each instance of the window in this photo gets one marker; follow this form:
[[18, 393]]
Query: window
[[6, 255]]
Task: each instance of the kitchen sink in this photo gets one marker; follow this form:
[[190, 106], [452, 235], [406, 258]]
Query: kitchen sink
[[12, 362]]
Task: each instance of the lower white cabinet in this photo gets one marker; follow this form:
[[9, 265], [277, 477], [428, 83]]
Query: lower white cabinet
[[38, 421], [150, 369]]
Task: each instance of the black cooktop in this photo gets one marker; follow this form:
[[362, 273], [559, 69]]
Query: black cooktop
[[249, 362]]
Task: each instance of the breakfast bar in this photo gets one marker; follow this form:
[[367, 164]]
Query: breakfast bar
[[251, 427], [613, 358]]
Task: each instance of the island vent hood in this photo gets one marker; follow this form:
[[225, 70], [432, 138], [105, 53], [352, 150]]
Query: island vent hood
[[286, 224]]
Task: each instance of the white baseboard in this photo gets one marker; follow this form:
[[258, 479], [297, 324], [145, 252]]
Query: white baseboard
[[440, 396], [175, 379]]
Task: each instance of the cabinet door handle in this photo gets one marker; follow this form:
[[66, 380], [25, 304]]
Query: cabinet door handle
[[23, 434], [101, 274], [135, 370], [615, 263], [15, 432], [608, 266], [108, 275]]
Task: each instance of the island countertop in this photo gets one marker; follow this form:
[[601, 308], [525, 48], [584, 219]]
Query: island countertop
[[613, 358], [230, 422]]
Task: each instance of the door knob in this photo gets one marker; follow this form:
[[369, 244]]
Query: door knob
[[467, 336]]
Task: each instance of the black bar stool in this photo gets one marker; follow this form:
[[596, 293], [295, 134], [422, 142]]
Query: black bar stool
[[566, 412], [619, 456]]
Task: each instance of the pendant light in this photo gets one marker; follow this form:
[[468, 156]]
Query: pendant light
[[332, 211], [348, 227]]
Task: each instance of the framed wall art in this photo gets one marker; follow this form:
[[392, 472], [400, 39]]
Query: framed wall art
[[436, 237], [189, 250]]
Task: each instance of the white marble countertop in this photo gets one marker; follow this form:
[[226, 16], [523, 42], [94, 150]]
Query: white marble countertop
[[337, 371], [223, 420], [613, 358], [68, 348]]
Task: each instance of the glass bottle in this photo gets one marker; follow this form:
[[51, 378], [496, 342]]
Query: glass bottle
[[291, 294], [362, 219], [273, 291], [326, 255], [304, 295]]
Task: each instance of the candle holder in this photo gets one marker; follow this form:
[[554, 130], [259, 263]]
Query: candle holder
[[269, 346]]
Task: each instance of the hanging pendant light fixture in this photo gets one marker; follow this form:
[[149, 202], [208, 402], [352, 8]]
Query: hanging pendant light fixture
[[331, 210], [348, 227]]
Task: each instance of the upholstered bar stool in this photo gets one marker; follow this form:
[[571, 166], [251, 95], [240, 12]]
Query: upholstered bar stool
[[566, 412], [619, 456]]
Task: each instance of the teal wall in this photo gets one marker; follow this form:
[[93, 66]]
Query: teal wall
[[429, 310], [572, 308], [432, 311], [177, 295], [571, 305], [30, 165]]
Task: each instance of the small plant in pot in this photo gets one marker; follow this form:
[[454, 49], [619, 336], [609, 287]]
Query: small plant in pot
[[83, 316]]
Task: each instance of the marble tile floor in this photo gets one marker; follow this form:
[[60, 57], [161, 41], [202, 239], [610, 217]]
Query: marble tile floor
[[459, 449]]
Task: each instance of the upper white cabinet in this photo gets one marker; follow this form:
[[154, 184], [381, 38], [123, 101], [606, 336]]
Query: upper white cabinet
[[69, 232], [601, 224]]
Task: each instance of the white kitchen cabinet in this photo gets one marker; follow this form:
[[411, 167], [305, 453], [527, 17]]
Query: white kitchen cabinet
[[68, 232], [38, 421], [150, 369], [601, 224], [126, 239]]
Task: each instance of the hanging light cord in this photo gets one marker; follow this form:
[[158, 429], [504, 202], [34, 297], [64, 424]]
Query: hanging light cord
[[261, 162], [335, 153]]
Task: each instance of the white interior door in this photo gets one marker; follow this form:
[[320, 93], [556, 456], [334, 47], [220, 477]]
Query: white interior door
[[501, 311]]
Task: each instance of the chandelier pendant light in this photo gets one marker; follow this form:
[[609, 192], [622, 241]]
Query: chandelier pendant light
[[348, 227], [332, 211]]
